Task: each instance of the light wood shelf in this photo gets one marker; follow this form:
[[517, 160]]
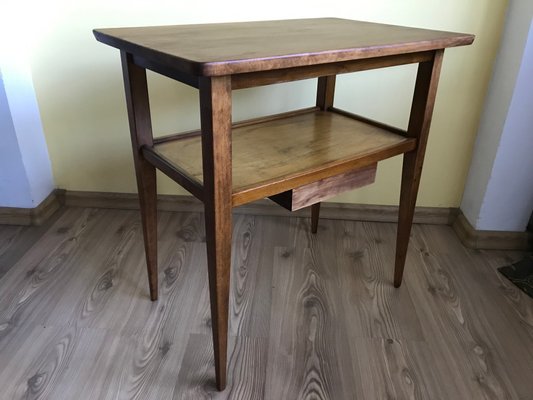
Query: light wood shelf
[[279, 154]]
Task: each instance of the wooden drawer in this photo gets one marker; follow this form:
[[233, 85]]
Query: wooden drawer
[[324, 189]]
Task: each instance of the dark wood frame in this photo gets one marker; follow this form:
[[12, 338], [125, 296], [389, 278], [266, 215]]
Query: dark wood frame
[[363, 46], [216, 190]]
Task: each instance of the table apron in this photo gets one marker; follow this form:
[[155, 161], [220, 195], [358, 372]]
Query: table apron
[[269, 77]]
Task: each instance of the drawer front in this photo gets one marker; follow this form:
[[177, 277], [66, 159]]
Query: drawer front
[[324, 189]]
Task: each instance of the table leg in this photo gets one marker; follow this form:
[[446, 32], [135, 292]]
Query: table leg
[[136, 89], [315, 214], [325, 93], [215, 108], [419, 123]]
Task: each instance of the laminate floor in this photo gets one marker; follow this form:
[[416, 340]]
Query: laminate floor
[[311, 316]]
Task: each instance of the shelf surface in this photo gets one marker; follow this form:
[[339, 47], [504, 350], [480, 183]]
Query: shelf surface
[[281, 154], [231, 48]]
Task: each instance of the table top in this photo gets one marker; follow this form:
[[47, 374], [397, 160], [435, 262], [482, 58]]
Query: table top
[[231, 48]]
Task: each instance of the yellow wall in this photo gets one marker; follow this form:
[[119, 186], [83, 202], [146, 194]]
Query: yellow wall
[[79, 86]]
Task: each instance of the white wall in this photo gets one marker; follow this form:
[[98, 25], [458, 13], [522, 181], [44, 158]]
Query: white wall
[[25, 170], [499, 189], [14, 187]]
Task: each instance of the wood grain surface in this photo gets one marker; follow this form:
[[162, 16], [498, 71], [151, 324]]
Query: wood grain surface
[[137, 102], [221, 49], [427, 79], [278, 155], [311, 316], [16, 240], [215, 116], [324, 189], [314, 193]]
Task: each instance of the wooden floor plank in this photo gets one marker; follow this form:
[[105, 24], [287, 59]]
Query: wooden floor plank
[[374, 307], [161, 345], [255, 240], [16, 240], [308, 337], [31, 367], [246, 372], [95, 366], [9, 236], [387, 371], [32, 288], [104, 280], [312, 316], [467, 318], [485, 321]]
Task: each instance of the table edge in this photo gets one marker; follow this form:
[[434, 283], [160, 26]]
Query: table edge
[[238, 66]]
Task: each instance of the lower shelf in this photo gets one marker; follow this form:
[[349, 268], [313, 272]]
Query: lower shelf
[[277, 155], [304, 196]]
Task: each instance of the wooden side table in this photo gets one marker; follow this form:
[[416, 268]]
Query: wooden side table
[[297, 158]]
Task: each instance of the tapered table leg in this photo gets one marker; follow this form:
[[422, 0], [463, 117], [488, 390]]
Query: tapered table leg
[[141, 134], [325, 93], [419, 123], [215, 108], [315, 214]]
